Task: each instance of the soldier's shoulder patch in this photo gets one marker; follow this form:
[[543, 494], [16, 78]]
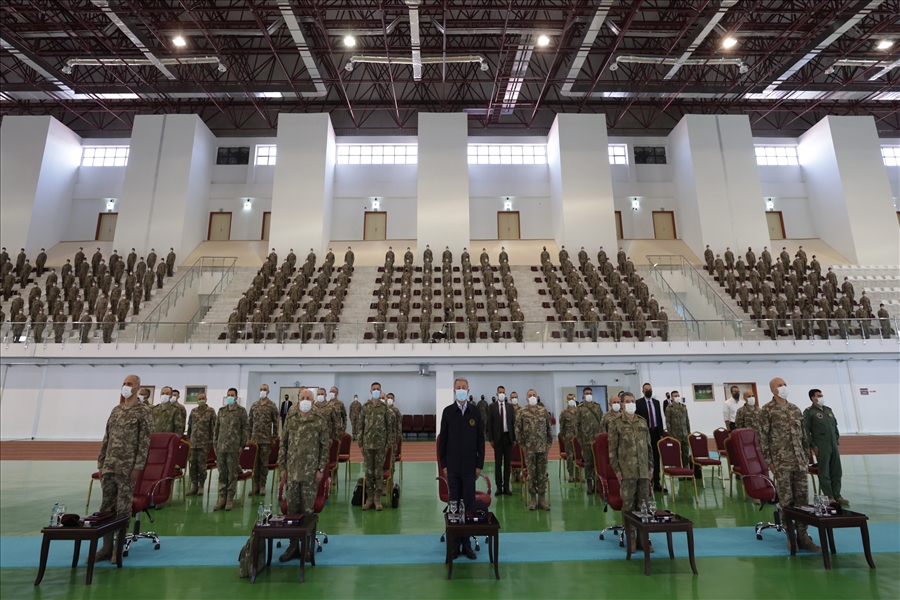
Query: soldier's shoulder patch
[[819, 415]]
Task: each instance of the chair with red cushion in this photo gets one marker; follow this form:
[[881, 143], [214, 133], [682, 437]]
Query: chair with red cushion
[[608, 483], [418, 425], [430, 424], [720, 435], [755, 475], [181, 462], [211, 465], [700, 454], [153, 485], [344, 452], [516, 463], [563, 456], [334, 452], [406, 424], [246, 466], [444, 487], [734, 467], [579, 460], [812, 469], [272, 464], [398, 457], [670, 463]]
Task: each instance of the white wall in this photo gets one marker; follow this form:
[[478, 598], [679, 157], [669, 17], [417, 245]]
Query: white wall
[[442, 218], [348, 217], [99, 182], [83, 216], [509, 180], [535, 217], [638, 224], [245, 224], [383, 181], [798, 221], [136, 202]]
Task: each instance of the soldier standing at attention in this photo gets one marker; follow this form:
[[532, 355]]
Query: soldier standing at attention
[[824, 438], [355, 410], [374, 428], [201, 432], [321, 407], [263, 429], [170, 262], [749, 415], [162, 412], [679, 426], [535, 435], [587, 426], [631, 457], [483, 408], [340, 413], [567, 431], [180, 418], [785, 447], [232, 432], [397, 417], [614, 412], [123, 454], [302, 457]]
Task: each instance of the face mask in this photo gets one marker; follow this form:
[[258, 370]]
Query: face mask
[[201, 401], [782, 392], [532, 400], [305, 406], [589, 398], [616, 407], [144, 399], [736, 395], [677, 399], [390, 401], [514, 400], [570, 402], [648, 394], [263, 394], [164, 398], [501, 397], [751, 400], [331, 395], [461, 395], [630, 408], [320, 398], [229, 400], [376, 394], [126, 391]]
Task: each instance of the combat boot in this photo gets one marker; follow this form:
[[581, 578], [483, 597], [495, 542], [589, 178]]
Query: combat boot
[[200, 488], [806, 542], [543, 504], [262, 491], [531, 505], [590, 486], [228, 503], [220, 504], [193, 490], [369, 502], [571, 478], [292, 552], [378, 505], [105, 552], [255, 490]]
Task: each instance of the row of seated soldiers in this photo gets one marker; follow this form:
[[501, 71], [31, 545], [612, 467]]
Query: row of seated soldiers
[[85, 291], [257, 305], [797, 291], [628, 289]]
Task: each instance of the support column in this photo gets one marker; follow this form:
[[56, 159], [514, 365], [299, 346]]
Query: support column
[[442, 215], [849, 191], [718, 190], [39, 159], [304, 179], [443, 390], [581, 191]]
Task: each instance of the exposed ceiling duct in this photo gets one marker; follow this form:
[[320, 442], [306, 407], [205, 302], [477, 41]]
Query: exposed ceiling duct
[[653, 60], [886, 66], [103, 5], [414, 38], [713, 21], [517, 73], [139, 62], [590, 35], [408, 60], [38, 68], [290, 20]]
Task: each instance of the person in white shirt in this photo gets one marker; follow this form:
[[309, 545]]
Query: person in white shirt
[[732, 405]]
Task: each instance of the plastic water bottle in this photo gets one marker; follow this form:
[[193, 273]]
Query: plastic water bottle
[[462, 511], [260, 514], [54, 516]]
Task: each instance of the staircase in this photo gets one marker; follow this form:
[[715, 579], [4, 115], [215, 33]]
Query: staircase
[[213, 323]]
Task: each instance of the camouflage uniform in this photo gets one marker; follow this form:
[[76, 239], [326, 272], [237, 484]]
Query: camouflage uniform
[[339, 418], [786, 449], [201, 431], [631, 456], [749, 417], [535, 436], [303, 452], [126, 444], [180, 418], [232, 432], [264, 419], [397, 417], [163, 416], [355, 410], [678, 425], [606, 422], [375, 426], [567, 431], [587, 425], [325, 411]]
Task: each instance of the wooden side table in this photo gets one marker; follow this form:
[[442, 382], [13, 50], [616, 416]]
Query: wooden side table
[[305, 531], [677, 523], [826, 526], [80, 534], [490, 529]]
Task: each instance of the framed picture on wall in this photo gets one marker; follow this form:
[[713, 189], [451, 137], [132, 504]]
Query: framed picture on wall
[[703, 392], [152, 390], [742, 387], [191, 392]]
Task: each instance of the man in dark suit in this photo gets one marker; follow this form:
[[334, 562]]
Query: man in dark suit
[[461, 449], [285, 407], [501, 431], [648, 407]]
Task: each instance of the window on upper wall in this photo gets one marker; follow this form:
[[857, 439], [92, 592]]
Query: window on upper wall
[[649, 155], [891, 156], [265, 155], [617, 155], [104, 156], [507, 154], [377, 154], [233, 156], [776, 155]]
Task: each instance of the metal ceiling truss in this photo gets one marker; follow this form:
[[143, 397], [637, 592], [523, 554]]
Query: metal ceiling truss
[[644, 63]]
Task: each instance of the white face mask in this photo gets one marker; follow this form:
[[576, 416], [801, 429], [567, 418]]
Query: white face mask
[[616, 407], [589, 398], [390, 401], [126, 391], [501, 397], [514, 400], [630, 408], [305, 406], [263, 394], [751, 400], [320, 398], [782, 392], [676, 399], [164, 398], [570, 402], [331, 395], [532, 400]]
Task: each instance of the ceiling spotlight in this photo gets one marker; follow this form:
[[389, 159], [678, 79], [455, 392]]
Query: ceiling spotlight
[[885, 44], [179, 41], [743, 68], [830, 70], [729, 42], [349, 41], [543, 40]]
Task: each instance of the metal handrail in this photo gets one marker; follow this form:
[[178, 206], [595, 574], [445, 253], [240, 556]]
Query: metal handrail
[[210, 299]]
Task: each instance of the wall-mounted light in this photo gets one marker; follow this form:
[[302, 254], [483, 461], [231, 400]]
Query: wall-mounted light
[[110, 204], [248, 203], [770, 204], [376, 204], [507, 204], [635, 204]]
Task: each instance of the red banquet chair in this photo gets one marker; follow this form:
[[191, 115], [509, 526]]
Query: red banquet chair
[[154, 485], [755, 475], [181, 462], [670, 463], [734, 466], [579, 460], [563, 455], [272, 463], [211, 465], [720, 435], [608, 482], [247, 467], [444, 488], [344, 452], [700, 455], [334, 453], [516, 463]]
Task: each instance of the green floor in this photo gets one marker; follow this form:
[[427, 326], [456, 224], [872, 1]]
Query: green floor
[[29, 489]]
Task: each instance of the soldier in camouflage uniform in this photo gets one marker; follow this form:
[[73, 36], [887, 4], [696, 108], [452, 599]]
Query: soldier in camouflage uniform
[[201, 432], [339, 412], [587, 425], [614, 412], [749, 416], [324, 410], [232, 432], [355, 411], [786, 449], [678, 424], [397, 420], [535, 436], [123, 454], [163, 413], [631, 457], [302, 458], [264, 419], [375, 426], [567, 431]]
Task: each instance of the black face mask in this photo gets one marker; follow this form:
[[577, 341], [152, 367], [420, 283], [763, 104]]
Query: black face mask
[[648, 394], [736, 395]]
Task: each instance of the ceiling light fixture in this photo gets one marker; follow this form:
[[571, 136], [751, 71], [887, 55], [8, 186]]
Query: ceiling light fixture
[[179, 41], [349, 41], [729, 42], [543, 40], [885, 44]]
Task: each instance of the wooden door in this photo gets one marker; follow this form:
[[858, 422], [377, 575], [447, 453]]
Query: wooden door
[[775, 221], [619, 234], [664, 225], [106, 226], [267, 223], [375, 226], [508, 225], [219, 227]]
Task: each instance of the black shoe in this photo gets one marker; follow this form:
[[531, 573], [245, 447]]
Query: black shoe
[[470, 554], [508, 492], [292, 552], [454, 554], [657, 488], [499, 492]]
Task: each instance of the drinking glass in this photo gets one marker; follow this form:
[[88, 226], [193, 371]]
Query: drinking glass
[[652, 508], [62, 509], [453, 511], [267, 514]]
